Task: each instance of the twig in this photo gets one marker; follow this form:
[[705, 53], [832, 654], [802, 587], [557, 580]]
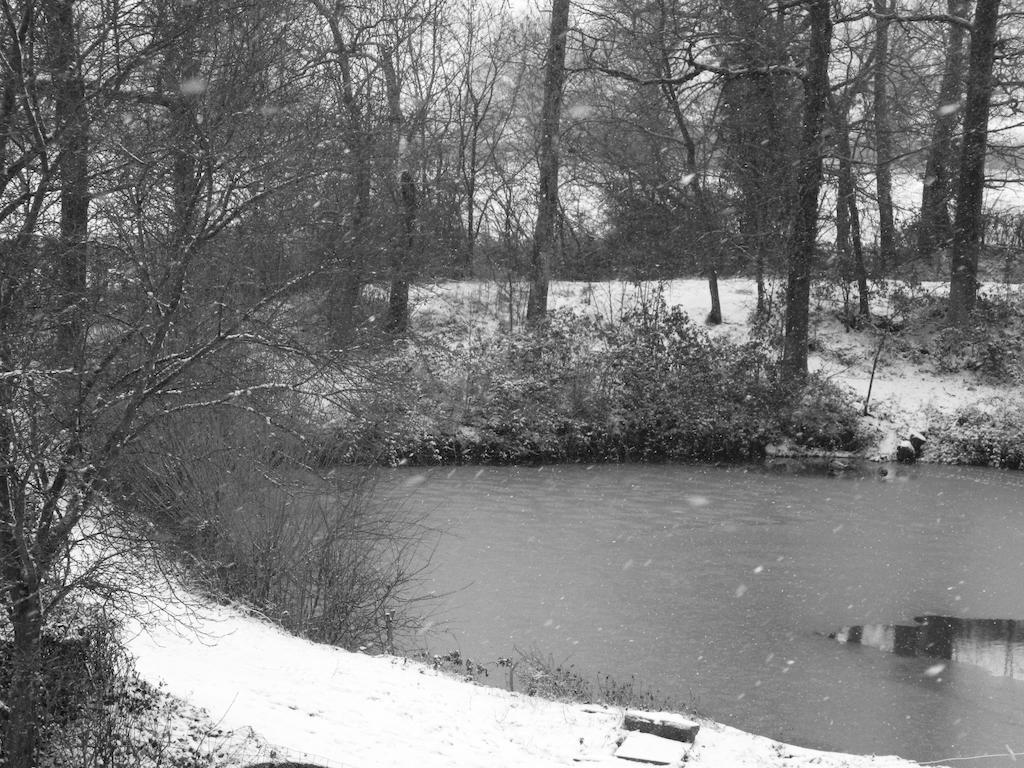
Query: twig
[[1013, 756], [874, 366]]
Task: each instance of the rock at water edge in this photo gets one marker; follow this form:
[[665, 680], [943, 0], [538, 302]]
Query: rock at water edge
[[905, 452]]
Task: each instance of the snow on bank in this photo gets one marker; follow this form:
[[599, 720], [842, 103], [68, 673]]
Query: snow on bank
[[320, 704]]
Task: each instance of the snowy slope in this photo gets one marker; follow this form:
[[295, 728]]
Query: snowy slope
[[323, 705]]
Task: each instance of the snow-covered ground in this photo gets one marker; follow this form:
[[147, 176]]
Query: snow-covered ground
[[290, 699]]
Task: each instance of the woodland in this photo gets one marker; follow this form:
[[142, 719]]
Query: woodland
[[213, 216]]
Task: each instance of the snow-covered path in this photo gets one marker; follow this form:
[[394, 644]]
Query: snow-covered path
[[323, 705]]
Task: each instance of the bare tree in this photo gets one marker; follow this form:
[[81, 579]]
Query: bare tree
[[757, 131], [348, 235], [124, 333], [848, 229], [544, 235], [488, 94], [648, 47]]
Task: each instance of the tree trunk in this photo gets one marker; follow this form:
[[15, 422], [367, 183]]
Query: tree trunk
[[21, 740], [847, 214], [759, 259], [468, 153], [398, 300], [715, 315], [72, 165], [545, 240], [883, 137], [935, 229], [185, 88], [967, 230], [20, 593], [707, 216], [21, 573], [349, 273], [471, 225], [798, 285], [404, 195]]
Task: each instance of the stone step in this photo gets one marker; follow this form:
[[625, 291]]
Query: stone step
[[652, 750], [667, 725]]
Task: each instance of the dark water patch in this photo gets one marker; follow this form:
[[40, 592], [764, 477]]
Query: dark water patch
[[995, 645]]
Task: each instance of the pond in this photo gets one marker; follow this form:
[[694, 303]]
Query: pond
[[720, 586]]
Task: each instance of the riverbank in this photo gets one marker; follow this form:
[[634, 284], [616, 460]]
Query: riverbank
[[277, 697], [630, 372]]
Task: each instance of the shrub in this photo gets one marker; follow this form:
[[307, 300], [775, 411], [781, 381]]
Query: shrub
[[98, 713], [309, 550], [652, 387], [821, 417], [981, 437]]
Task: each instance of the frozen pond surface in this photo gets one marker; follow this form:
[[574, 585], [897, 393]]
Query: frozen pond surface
[[720, 586]]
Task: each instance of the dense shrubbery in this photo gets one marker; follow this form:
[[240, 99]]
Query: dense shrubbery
[[95, 711], [653, 387], [978, 437], [312, 551], [990, 345]]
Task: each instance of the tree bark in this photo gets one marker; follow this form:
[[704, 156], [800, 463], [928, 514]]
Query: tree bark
[[21, 742], [404, 194], [967, 229], [185, 88], [545, 240], [471, 180], [848, 235], [935, 229], [709, 255], [398, 299], [22, 572], [72, 137], [798, 284], [349, 274], [883, 136], [762, 295]]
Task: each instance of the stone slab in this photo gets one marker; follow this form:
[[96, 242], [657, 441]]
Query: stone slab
[[650, 749], [668, 725]]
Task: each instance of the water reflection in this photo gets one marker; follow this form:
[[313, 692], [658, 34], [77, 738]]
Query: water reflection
[[995, 645], [661, 571]]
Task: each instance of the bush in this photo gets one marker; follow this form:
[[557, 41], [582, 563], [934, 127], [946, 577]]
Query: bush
[[822, 418], [96, 712], [309, 550], [653, 387], [981, 437], [990, 345], [678, 394]]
